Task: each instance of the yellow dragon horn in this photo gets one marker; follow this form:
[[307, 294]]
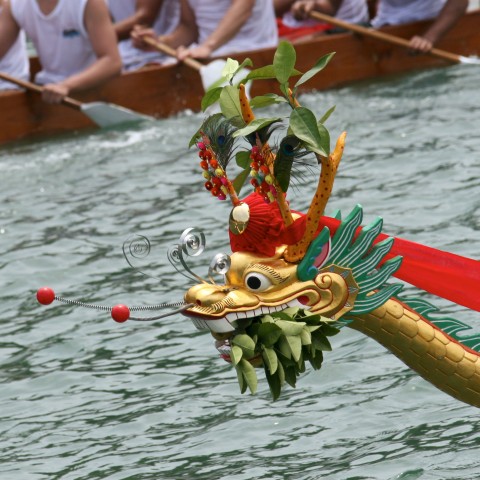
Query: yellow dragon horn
[[295, 253]]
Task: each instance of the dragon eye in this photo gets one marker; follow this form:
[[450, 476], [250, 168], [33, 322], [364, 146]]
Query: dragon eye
[[256, 282]]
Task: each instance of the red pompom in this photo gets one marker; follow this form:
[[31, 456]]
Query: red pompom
[[45, 295], [120, 313], [266, 229]]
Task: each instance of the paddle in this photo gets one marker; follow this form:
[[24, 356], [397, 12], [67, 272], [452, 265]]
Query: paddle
[[209, 73], [386, 37], [101, 113], [444, 274]]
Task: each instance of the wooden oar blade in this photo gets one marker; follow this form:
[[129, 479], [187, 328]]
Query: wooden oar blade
[[107, 115], [469, 60]]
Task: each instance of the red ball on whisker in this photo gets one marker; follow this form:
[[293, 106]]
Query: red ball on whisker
[[120, 313], [45, 295]]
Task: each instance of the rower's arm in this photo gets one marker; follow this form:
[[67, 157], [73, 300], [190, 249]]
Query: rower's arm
[[9, 29], [448, 16], [146, 13], [186, 31], [235, 17], [104, 43]]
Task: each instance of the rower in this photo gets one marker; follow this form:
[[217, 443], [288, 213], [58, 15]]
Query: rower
[[160, 15], [218, 27], [75, 42], [398, 12], [15, 62], [294, 15]]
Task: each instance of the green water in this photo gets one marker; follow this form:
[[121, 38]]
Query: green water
[[84, 398]]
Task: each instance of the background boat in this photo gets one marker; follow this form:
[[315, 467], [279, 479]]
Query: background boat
[[162, 91]]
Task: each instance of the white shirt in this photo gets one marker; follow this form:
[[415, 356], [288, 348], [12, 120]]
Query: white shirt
[[60, 38], [167, 20], [259, 31], [352, 11], [398, 12], [15, 63]]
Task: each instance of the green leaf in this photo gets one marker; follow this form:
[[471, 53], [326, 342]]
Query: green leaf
[[266, 100], [284, 348], [304, 125], [266, 319], [246, 63], [229, 102], [320, 341], [290, 328], [194, 139], [241, 379], [319, 66], [325, 136], [327, 114], [317, 360], [329, 330], [295, 344], [255, 125], [270, 358], [291, 376], [244, 341], [274, 383], [249, 374], [269, 334], [284, 89], [210, 97], [266, 72], [306, 337], [235, 354], [243, 159], [282, 315], [281, 373], [240, 179], [231, 66], [290, 311], [284, 61]]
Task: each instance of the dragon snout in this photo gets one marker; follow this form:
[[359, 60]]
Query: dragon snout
[[205, 295]]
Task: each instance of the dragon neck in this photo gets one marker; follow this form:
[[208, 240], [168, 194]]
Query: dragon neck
[[433, 354]]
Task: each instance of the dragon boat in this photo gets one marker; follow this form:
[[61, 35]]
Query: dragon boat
[[294, 279], [161, 91]]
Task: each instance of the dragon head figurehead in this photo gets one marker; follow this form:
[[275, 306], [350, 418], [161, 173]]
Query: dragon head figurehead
[[293, 278], [283, 261]]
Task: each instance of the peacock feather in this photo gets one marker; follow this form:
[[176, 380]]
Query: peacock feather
[[218, 132]]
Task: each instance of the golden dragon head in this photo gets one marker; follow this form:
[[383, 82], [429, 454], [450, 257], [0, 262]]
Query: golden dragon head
[[290, 275]]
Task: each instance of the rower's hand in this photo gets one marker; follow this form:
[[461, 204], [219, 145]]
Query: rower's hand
[[138, 35], [201, 51], [301, 9], [420, 44], [54, 92]]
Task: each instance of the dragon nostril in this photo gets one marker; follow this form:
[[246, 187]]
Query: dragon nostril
[[303, 299]]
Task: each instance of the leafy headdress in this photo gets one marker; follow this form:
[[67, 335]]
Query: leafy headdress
[[263, 220]]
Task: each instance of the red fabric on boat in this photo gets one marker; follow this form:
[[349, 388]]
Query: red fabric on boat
[[444, 274], [294, 33]]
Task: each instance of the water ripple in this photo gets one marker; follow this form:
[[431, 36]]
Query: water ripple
[[85, 398]]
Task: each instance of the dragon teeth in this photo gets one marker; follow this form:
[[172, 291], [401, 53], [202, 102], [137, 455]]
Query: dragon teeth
[[226, 324]]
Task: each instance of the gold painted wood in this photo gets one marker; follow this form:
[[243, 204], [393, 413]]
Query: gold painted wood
[[434, 355]]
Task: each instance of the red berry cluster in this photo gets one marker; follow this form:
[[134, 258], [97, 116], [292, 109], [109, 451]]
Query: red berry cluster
[[217, 180], [262, 179]]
